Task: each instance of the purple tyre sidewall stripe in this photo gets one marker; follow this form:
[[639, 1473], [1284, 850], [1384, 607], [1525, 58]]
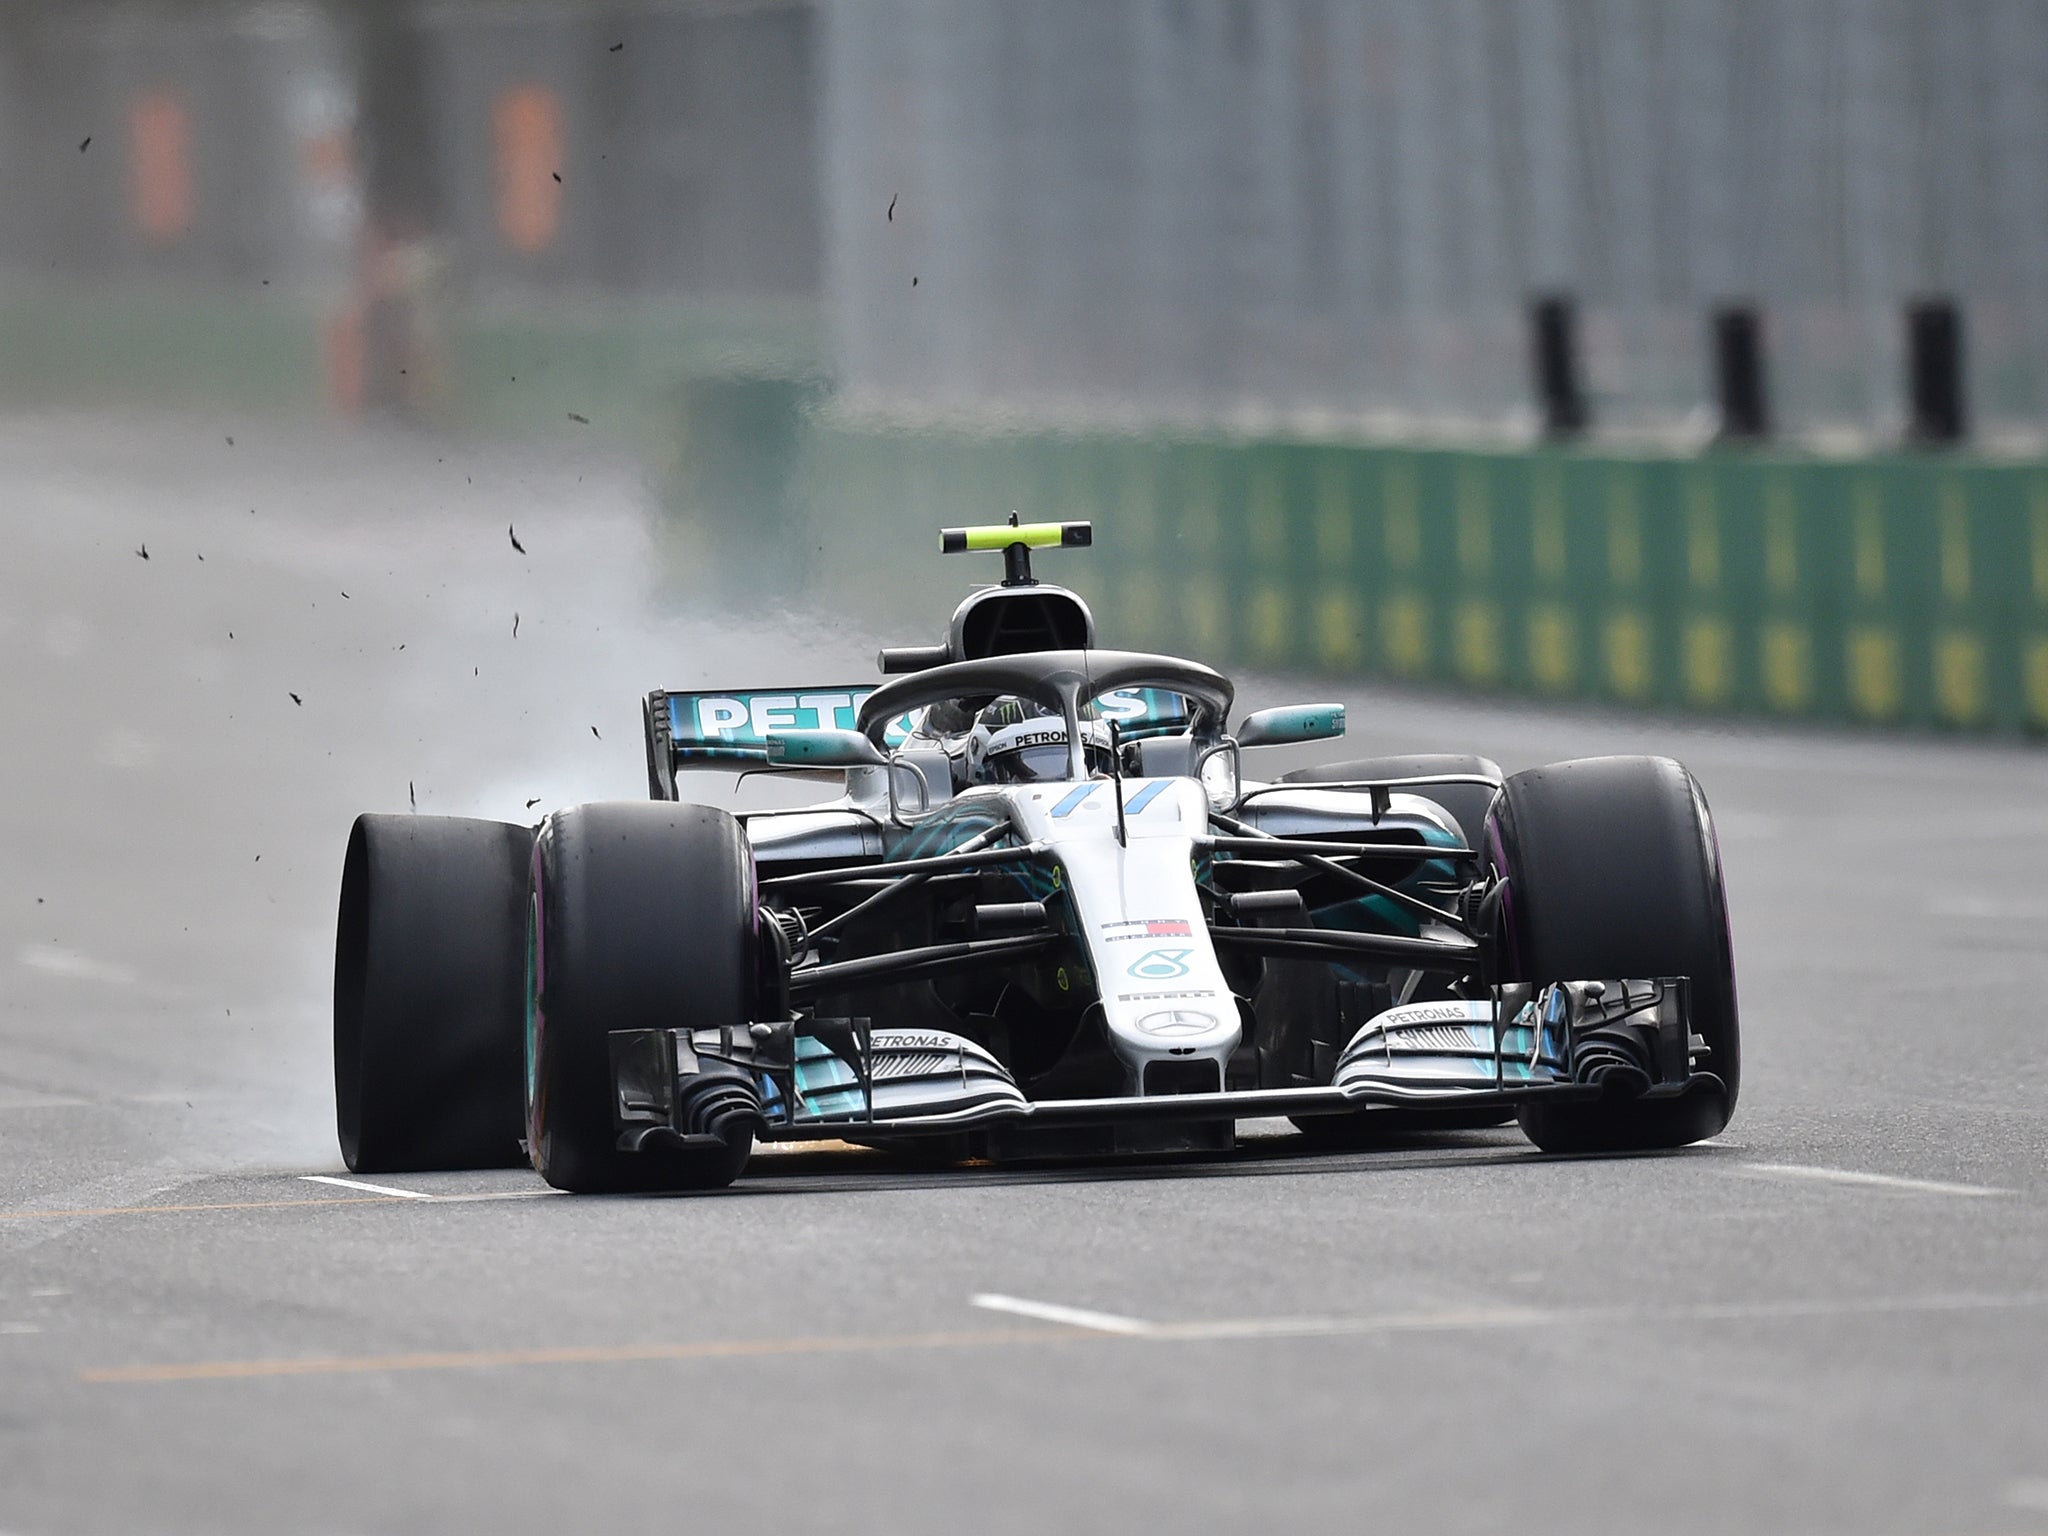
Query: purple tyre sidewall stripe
[[1507, 896]]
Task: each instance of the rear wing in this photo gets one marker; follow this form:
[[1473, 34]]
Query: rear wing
[[730, 730]]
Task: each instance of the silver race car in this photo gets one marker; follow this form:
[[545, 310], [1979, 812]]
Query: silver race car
[[1049, 910]]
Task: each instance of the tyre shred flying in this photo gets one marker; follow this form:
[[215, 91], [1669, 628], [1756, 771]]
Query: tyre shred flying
[[1045, 911]]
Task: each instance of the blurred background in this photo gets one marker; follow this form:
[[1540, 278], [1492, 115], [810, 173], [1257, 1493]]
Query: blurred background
[[1690, 353]]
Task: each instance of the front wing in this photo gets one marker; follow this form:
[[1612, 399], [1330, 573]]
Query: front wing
[[1565, 1041]]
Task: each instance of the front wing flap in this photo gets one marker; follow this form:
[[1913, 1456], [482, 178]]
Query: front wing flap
[[1578, 1040]]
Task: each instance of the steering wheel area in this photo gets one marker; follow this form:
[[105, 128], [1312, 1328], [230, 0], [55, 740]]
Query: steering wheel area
[[1061, 680]]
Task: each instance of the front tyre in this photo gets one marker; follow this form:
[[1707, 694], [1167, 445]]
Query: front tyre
[[642, 917], [1613, 871]]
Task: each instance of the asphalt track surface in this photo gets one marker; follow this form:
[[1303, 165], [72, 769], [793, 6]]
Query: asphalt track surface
[[1833, 1319]]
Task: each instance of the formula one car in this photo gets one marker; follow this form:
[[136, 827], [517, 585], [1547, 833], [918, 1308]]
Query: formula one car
[[1045, 913]]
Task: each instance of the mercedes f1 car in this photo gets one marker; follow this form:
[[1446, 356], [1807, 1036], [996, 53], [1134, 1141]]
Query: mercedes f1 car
[[1047, 911]]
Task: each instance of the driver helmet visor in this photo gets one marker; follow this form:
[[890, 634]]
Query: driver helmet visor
[[1030, 765]]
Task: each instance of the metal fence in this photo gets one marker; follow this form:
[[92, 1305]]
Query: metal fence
[[1320, 214], [1339, 209]]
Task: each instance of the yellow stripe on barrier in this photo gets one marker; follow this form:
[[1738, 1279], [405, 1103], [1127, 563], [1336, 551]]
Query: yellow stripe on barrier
[[1874, 686], [1201, 609], [2037, 680], [1787, 667], [1628, 655], [1959, 677], [1340, 631], [1268, 623], [1553, 647], [1709, 654], [1478, 642], [1404, 633]]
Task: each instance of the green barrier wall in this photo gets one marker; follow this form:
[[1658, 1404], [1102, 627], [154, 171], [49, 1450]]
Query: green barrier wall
[[1893, 591]]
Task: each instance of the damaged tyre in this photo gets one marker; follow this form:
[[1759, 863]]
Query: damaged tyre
[[642, 918], [427, 994]]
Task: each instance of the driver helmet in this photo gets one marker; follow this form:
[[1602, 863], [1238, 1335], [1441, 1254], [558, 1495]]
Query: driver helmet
[[1015, 741]]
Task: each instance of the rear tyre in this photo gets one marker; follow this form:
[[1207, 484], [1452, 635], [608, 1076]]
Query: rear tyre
[[1467, 803], [428, 1005], [1613, 870], [643, 918]]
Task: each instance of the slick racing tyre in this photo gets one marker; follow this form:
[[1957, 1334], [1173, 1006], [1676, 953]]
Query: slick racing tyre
[[1467, 803], [643, 918], [1613, 871], [428, 994]]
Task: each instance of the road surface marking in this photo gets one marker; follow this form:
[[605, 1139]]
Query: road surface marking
[[1839, 1306], [220, 1205], [375, 1189], [500, 1194], [1074, 1324], [1875, 1180], [1452, 1319], [391, 1197], [481, 1359], [1072, 1317]]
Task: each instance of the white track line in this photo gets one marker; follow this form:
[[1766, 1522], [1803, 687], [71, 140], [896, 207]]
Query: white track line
[[1482, 1319], [502, 1194], [1875, 1180], [1454, 1320], [1842, 1306], [1072, 1317], [375, 1189]]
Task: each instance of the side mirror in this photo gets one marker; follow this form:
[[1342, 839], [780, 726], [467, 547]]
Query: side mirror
[[1220, 776], [1290, 723], [822, 749]]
